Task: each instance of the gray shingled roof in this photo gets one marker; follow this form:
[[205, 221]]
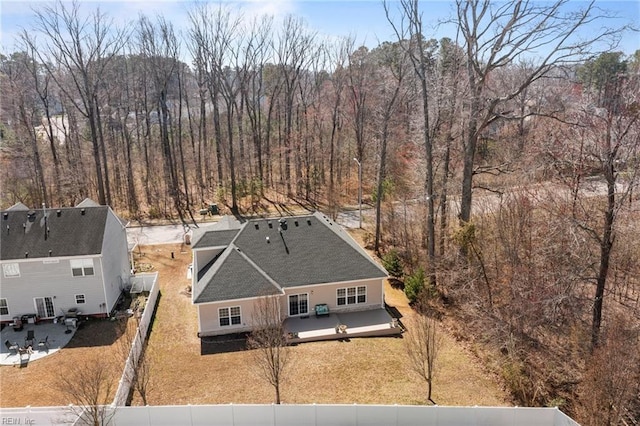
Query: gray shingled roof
[[70, 232], [232, 276], [311, 250], [215, 239]]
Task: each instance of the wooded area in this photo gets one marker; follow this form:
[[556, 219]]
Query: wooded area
[[503, 163]]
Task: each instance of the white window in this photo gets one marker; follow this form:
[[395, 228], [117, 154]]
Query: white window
[[298, 304], [229, 316], [80, 299], [11, 270], [4, 308], [81, 267], [352, 295]]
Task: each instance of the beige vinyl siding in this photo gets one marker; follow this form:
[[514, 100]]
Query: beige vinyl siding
[[326, 293], [209, 324]]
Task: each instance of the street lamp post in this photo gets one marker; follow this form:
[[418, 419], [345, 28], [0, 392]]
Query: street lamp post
[[359, 191]]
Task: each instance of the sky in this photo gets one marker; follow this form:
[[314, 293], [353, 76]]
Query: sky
[[362, 19]]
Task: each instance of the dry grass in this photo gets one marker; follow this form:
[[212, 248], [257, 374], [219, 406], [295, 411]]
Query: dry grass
[[38, 383], [365, 371]]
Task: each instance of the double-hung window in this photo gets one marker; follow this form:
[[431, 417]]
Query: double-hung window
[[298, 304], [4, 307], [81, 267], [229, 316], [351, 295]]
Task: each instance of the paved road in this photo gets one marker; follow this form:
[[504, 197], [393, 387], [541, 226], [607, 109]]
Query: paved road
[[159, 234], [171, 234]]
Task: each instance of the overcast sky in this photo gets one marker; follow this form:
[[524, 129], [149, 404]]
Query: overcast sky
[[363, 19]]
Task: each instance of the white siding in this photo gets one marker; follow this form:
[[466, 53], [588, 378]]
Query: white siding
[[40, 279], [116, 268]]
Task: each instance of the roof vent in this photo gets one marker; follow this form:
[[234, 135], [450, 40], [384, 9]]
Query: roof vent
[[309, 222], [31, 216], [282, 224], [58, 212], [268, 241], [50, 252], [26, 254], [295, 222], [82, 211], [270, 224], [7, 229], [24, 227], [257, 226], [5, 215]]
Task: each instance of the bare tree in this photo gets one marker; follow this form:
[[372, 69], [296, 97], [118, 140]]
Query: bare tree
[[271, 353], [83, 48], [498, 34], [90, 386], [422, 343], [417, 51], [611, 380]]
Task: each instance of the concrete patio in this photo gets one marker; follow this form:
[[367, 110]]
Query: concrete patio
[[58, 338], [345, 325]]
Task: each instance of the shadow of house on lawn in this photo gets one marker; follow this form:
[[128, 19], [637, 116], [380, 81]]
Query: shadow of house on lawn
[[97, 332], [212, 345]]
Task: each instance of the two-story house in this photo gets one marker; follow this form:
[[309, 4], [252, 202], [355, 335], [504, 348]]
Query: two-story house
[[53, 260]]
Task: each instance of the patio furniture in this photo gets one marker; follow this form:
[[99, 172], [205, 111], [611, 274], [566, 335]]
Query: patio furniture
[[31, 336], [43, 344], [16, 324], [25, 351], [12, 347], [73, 313], [322, 310]]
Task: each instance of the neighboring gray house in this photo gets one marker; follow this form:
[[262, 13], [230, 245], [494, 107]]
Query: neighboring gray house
[[303, 260], [53, 260]]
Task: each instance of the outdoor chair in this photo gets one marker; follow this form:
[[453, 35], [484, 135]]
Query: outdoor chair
[[12, 347], [43, 344], [31, 336]]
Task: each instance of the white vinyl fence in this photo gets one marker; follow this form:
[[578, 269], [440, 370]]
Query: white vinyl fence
[[142, 282], [337, 415], [147, 282]]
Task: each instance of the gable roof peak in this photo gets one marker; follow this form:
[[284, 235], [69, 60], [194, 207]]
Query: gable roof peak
[[88, 202], [18, 207]]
